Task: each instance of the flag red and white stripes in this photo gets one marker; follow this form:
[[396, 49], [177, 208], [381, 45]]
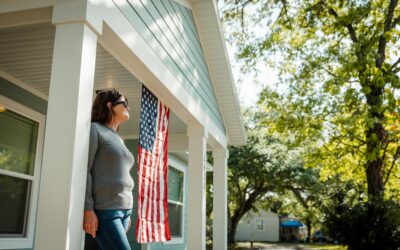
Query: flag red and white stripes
[[152, 221]]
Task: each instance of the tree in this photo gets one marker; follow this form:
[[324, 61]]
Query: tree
[[302, 207], [361, 225], [337, 98], [249, 179], [340, 62], [261, 167], [306, 203]]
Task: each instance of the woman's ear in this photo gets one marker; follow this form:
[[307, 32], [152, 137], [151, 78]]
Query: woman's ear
[[109, 105]]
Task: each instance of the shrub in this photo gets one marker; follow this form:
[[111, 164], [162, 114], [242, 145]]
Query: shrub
[[369, 225]]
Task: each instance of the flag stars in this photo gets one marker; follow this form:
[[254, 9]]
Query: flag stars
[[148, 119]]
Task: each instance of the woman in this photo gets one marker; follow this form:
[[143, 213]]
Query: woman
[[108, 202]]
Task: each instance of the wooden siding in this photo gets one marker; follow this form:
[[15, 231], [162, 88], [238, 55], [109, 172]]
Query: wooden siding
[[170, 30]]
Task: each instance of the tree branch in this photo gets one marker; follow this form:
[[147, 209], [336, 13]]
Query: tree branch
[[241, 193], [299, 198], [384, 152], [396, 21], [389, 18], [330, 73], [357, 148], [395, 64], [396, 155], [281, 13], [352, 133], [382, 40], [395, 70], [349, 27]]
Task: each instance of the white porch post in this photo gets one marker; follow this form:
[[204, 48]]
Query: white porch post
[[220, 190], [197, 188], [62, 187]]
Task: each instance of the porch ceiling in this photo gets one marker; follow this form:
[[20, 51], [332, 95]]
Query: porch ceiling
[[26, 54]]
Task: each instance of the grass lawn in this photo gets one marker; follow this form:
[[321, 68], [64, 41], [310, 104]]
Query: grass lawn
[[282, 246]]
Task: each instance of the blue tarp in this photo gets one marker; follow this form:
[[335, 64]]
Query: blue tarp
[[291, 223]]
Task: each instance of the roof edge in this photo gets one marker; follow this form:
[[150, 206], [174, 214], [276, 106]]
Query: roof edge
[[212, 40]]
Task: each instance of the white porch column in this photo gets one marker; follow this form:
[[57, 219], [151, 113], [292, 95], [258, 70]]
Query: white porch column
[[197, 188], [220, 189], [62, 187]]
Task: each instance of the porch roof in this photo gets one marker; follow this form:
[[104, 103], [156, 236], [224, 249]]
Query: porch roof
[[213, 43]]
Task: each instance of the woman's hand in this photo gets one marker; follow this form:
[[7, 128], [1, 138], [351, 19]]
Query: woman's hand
[[90, 222]]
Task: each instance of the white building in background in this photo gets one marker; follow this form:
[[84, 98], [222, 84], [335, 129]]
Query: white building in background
[[260, 226]]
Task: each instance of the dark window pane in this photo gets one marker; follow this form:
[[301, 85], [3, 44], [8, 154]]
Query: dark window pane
[[18, 138], [13, 206], [259, 224], [175, 185], [175, 219]]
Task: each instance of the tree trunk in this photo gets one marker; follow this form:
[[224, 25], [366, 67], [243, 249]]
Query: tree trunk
[[232, 231], [237, 215], [375, 136], [229, 224], [242, 210], [374, 165], [308, 224]]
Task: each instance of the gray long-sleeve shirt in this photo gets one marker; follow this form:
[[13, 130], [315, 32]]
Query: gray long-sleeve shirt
[[109, 184]]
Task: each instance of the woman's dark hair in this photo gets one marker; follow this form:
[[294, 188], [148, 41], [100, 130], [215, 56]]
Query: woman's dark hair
[[100, 111]]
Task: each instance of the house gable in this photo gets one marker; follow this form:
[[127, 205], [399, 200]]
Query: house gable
[[170, 31]]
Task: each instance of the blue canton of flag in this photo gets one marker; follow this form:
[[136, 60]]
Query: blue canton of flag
[[148, 119]]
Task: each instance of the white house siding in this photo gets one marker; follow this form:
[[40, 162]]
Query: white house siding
[[169, 29]]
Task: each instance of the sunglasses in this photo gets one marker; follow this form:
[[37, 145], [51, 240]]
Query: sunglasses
[[125, 103]]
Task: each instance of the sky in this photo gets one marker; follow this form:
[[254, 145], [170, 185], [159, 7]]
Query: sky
[[249, 86]]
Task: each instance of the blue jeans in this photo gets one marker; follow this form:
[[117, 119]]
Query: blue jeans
[[111, 233]]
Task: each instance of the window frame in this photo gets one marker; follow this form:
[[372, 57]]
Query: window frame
[[257, 219], [30, 218], [180, 166]]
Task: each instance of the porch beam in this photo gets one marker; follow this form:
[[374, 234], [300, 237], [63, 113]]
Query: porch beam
[[197, 188], [220, 190], [25, 17], [20, 5], [63, 180]]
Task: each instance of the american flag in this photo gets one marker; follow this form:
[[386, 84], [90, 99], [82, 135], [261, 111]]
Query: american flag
[[152, 221]]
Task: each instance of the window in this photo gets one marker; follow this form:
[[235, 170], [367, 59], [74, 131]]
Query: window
[[21, 134], [176, 182], [259, 223]]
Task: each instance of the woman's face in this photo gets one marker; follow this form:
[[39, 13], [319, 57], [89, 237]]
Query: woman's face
[[121, 110]]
